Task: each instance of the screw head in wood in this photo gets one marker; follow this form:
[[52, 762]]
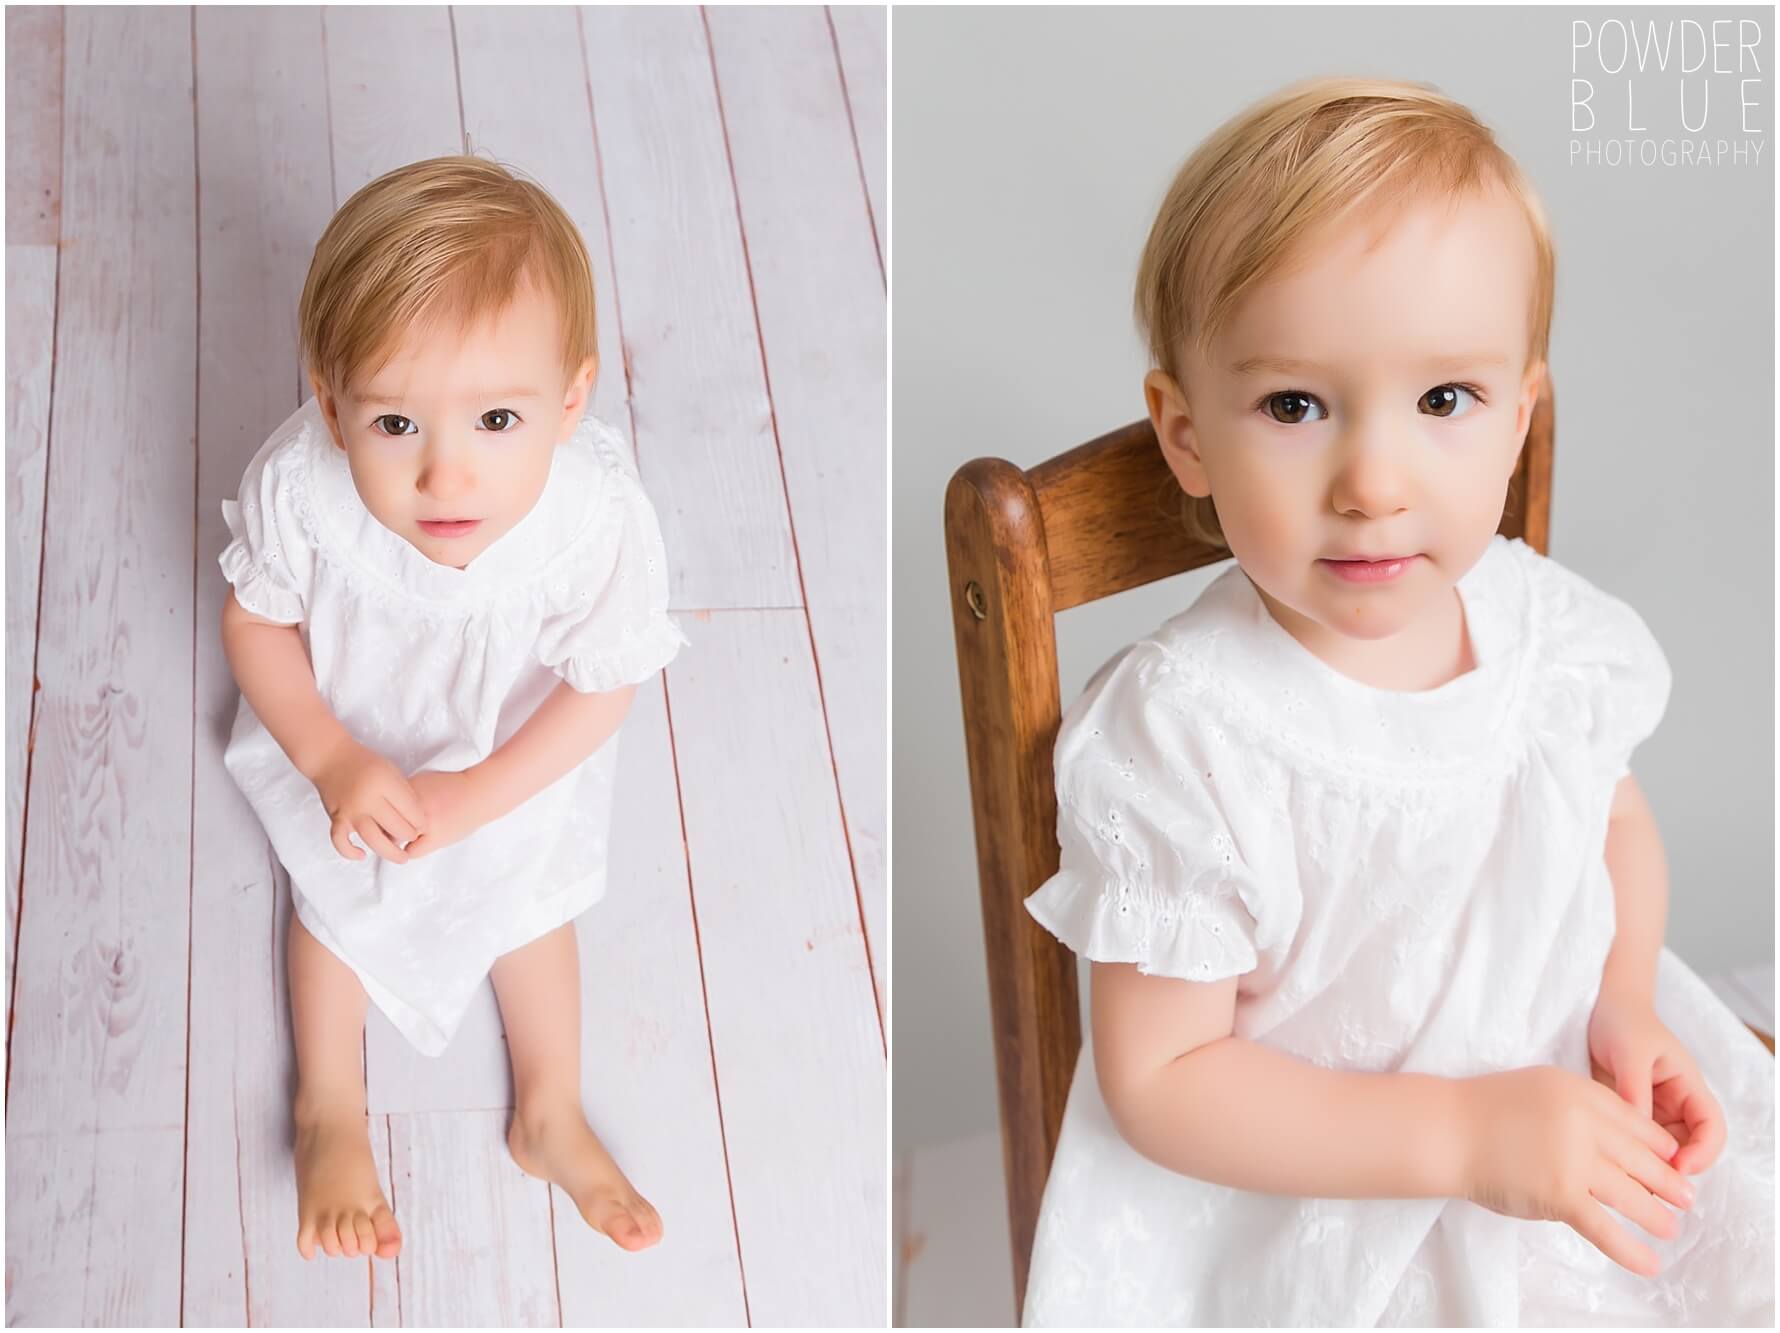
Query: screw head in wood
[[973, 597]]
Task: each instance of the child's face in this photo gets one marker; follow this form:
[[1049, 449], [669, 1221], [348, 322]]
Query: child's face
[[462, 428], [1371, 450]]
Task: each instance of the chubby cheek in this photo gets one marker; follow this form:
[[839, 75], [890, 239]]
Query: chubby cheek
[[1265, 518], [387, 490]]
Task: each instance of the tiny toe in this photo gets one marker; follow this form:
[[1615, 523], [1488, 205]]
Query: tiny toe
[[356, 1234], [330, 1239], [306, 1240]]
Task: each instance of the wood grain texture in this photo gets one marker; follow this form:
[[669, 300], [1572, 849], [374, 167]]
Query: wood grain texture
[[135, 1196], [30, 325], [701, 419], [862, 43], [392, 90], [95, 1126], [33, 124], [646, 1080], [821, 304], [476, 1244], [546, 132], [386, 1278], [33, 236], [263, 196], [799, 1061], [1021, 546]]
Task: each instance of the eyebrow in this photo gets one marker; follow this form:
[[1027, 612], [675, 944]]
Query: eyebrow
[[1250, 365], [389, 401]]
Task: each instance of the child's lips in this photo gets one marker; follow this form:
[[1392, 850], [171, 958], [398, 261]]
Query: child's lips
[[454, 527]]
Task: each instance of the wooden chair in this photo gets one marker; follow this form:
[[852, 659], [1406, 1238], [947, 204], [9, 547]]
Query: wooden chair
[[1021, 546]]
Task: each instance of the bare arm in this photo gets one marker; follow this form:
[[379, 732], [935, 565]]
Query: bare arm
[[273, 672], [1197, 1100], [567, 727], [1640, 877]]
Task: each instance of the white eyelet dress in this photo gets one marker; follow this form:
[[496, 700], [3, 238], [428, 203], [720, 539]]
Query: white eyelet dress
[[434, 668], [1402, 881]]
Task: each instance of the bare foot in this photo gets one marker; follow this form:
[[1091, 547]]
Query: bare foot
[[339, 1202], [558, 1146]]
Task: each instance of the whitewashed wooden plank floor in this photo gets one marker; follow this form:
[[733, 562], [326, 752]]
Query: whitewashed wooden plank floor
[[168, 172]]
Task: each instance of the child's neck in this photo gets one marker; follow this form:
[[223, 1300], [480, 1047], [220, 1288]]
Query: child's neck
[[1424, 655]]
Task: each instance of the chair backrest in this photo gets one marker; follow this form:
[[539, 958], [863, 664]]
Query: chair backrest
[[1022, 545]]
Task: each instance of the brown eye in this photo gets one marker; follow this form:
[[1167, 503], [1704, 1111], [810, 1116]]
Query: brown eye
[[1442, 400], [499, 412], [1288, 408], [390, 416]]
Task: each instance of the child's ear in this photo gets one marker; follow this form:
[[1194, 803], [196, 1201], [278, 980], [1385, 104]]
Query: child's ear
[[1529, 398], [1175, 432], [575, 404]]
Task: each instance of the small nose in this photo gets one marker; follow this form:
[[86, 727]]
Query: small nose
[[445, 475], [1372, 478]]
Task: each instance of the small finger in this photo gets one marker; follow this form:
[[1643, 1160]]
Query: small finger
[[1706, 1138], [1632, 1201], [1644, 1129], [378, 841], [396, 822], [1655, 1173], [341, 843], [1593, 1224], [413, 809]]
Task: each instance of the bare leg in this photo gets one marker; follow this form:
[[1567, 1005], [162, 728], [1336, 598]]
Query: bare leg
[[539, 988], [339, 1201]]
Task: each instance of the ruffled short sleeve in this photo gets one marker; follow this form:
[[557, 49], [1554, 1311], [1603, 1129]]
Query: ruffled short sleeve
[[606, 624], [271, 559], [1613, 678], [1163, 850]]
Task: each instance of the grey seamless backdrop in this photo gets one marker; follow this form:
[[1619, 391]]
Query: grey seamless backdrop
[[1031, 150]]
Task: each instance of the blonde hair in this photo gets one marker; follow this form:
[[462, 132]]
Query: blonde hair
[[1296, 161], [444, 241]]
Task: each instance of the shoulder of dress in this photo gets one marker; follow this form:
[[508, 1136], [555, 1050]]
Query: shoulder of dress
[[598, 449]]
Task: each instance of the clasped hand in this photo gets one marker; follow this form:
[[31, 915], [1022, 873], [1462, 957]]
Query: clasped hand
[[1633, 1052], [1548, 1144], [396, 817]]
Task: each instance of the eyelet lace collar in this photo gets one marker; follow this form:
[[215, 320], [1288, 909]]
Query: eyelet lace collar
[[1256, 678]]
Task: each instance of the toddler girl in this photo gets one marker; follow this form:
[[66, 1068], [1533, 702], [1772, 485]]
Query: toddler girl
[[447, 584], [1382, 1023]]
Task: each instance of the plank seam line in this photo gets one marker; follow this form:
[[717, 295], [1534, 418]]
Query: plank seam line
[[555, 1261], [840, 66], [240, 1195], [191, 835], [599, 171], [327, 103], [705, 994], [55, 322], [389, 1145], [457, 79], [791, 525]]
